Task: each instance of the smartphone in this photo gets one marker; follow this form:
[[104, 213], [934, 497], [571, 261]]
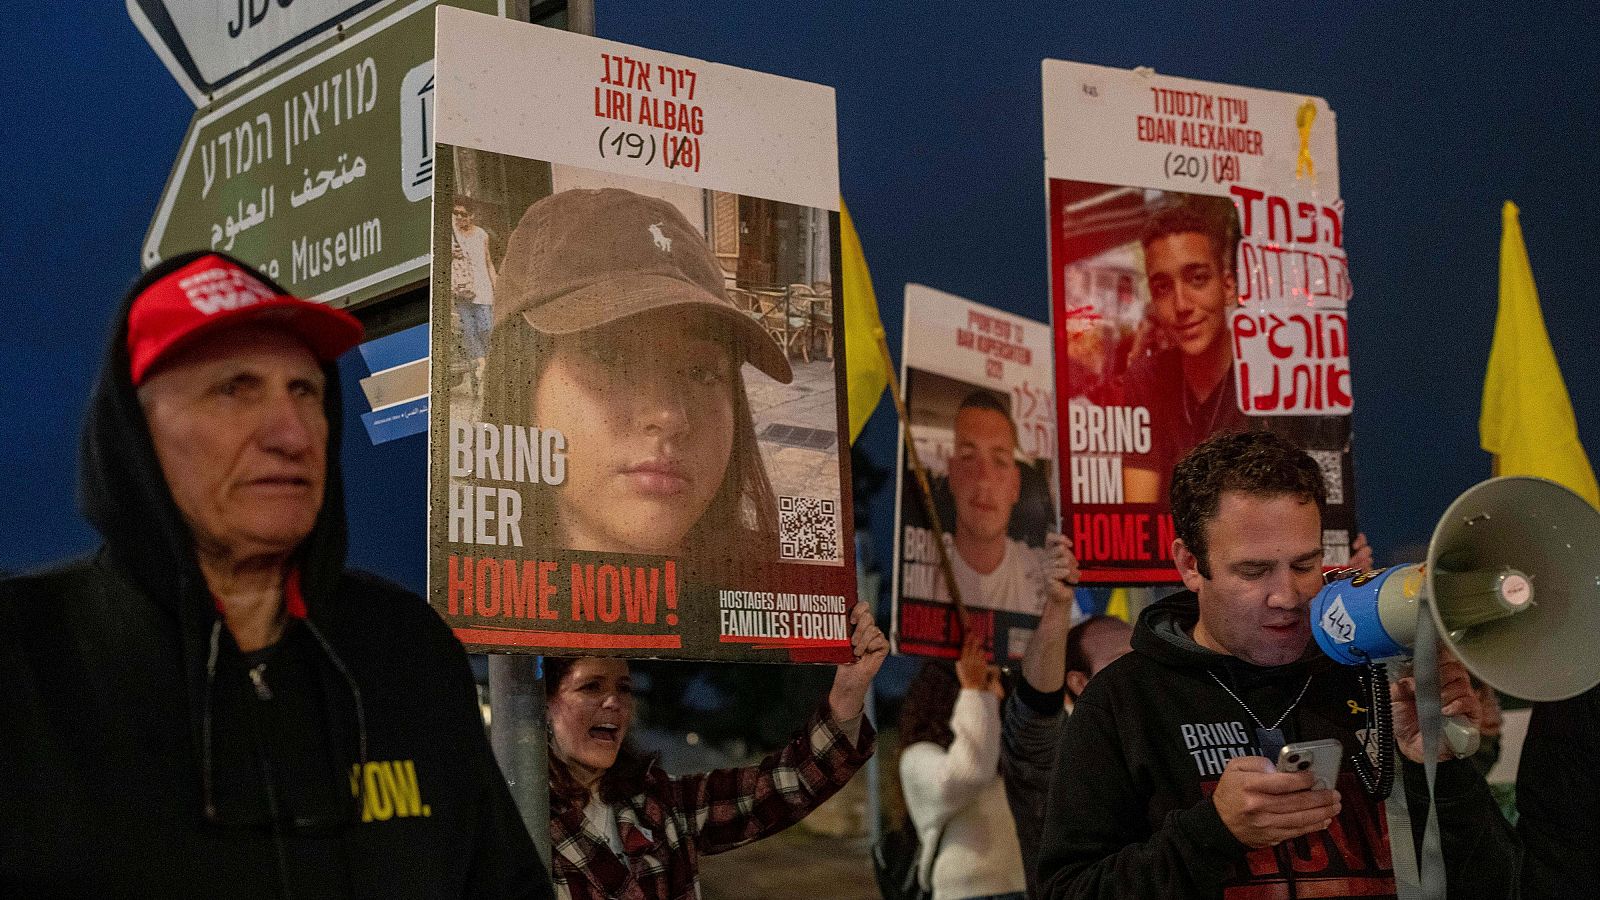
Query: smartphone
[[1320, 758]]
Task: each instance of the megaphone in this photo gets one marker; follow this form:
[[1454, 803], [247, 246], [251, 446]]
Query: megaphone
[[1513, 575]]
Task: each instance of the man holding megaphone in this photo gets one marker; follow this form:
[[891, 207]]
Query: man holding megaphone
[[1175, 789]]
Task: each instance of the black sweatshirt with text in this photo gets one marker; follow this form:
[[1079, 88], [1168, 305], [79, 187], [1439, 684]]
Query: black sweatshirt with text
[[1131, 816], [143, 755]]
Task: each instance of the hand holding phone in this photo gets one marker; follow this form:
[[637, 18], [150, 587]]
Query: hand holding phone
[[1321, 758], [1262, 807]]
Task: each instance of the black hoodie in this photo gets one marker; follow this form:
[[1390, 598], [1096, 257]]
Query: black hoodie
[[353, 764], [1130, 815]]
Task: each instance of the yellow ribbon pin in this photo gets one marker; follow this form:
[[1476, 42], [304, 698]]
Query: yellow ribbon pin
[[1414, 580], [1307, 114], [1355, 707]]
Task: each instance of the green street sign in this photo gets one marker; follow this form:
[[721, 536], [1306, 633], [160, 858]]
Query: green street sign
[[322, 175]]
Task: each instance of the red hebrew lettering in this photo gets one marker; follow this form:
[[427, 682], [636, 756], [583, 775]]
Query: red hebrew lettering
[[1266, 402], [1274, 205], [1337, 225], [1245, 198], [1025, 394], [1284, 351], [1338, 335], [1244, 327], [1247, 272], [1303, 391], [1346, 291], [1339, 387], [1307, 213], [1272, 270], [1327, 276]]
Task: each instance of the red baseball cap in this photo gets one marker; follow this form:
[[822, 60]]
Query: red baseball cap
[[215, 292]]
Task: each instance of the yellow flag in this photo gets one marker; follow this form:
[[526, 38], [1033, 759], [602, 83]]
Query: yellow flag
[[867, 370], [1118, 605], [1527, 420]]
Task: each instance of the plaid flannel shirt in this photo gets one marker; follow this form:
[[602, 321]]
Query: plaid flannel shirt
[[673, 821]]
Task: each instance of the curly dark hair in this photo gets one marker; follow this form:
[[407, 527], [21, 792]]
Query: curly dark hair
[[925, 712], [1259, 463], [1188, 219], [625, 778]]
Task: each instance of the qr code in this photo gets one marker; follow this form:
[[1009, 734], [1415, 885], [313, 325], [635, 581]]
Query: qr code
[[808, 529], [1332, 464]]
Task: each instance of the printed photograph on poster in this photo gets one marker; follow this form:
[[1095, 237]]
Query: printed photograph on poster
[[1187, 309], [977, 384], [637, 415]]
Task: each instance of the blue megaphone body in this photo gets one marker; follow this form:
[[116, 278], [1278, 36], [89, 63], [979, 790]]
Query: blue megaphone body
[[1348, 621]]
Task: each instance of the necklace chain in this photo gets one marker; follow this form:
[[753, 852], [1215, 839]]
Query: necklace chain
[[1215, 401], [1251, 712]]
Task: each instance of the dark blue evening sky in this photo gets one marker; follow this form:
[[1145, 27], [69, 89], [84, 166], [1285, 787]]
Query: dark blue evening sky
[[1442, 115]]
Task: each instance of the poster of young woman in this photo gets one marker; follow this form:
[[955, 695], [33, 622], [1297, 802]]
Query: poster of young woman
[[1199, 285], [979, 391], [637, 403]]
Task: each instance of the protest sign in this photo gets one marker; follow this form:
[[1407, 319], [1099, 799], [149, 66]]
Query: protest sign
[[213, 48], [1199, 284], [980, 396], [318, 173], [637, 416]]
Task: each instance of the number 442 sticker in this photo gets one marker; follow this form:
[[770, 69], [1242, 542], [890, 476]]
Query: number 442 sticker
[[1336, 622]]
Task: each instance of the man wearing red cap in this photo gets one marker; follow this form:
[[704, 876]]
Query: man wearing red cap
[[212, 704]]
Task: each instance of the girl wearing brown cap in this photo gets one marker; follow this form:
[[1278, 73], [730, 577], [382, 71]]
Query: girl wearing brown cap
[[611, 326]]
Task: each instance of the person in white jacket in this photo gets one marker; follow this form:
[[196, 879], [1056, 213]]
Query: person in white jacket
[[949, 771]]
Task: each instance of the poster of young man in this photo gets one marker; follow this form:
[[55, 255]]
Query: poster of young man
[[1199, 284], [637, 412], [979, 390]]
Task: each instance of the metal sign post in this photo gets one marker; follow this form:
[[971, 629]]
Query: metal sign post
[[518, 724], [518, 732]]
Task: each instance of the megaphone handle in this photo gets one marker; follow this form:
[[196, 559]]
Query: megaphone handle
[[1461, 735], [1458, 731], [1430, 722]]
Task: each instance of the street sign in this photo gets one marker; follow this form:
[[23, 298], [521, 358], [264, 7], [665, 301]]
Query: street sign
[[209, 46], [321, 174]]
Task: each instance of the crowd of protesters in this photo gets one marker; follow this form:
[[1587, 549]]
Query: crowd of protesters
[[212, 704]]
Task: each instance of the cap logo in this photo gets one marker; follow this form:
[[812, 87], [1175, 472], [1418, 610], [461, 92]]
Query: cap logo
[[223, 288], [663, 243]]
